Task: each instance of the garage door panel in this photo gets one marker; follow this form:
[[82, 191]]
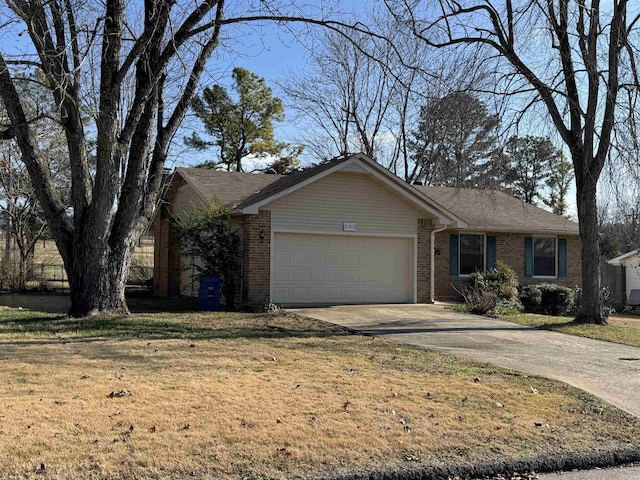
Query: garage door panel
[[334, 276], [317, 258], [369, 294], [317, 294], [281, 242], [300, 241], [335, 258], [341, 269], [391, 278], [298, 275], [333, 242], [299, 258], [371, 276], [349, 276], [298, 292], [351, 294], [281, 276], [352, 258], [372, 257], [335, 292], [281, 257], [317, 276]]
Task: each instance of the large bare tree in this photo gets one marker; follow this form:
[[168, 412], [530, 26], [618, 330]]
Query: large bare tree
[[577, 57], [348, 95], [121, 76], [363, 92]]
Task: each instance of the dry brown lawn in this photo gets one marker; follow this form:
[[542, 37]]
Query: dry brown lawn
[[246, 396]]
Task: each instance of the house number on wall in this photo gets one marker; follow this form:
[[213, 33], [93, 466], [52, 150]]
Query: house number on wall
[[349, 227]]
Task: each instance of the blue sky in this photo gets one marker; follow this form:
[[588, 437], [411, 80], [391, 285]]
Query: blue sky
[[269, 50], [270, 53]]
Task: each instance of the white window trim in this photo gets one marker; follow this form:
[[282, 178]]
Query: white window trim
[[533, 257], [484, 252]]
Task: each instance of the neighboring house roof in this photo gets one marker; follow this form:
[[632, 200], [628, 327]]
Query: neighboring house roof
[[493, 210], [619, 259]]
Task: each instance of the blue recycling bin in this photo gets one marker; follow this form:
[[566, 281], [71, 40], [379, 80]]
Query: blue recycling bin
[[209, 293]]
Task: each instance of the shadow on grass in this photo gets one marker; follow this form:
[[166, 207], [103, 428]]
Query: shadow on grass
[[39, 327], [553, 327], [138, 302], [568, 324]]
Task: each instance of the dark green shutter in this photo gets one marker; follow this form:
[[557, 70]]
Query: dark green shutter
[[453, 254], [562, 257], [528, 256], [491, 253]]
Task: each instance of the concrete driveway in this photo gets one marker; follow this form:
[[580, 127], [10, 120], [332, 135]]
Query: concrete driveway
[[608, 370]]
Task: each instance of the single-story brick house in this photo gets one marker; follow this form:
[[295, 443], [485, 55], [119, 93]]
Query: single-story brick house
[[349, 231]]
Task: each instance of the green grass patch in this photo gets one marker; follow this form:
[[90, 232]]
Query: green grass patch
[[457, 307], [622, 328]]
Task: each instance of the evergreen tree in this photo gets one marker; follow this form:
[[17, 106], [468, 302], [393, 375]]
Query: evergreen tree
[[454, 142], [239, 127], [559, 182], [528, 162]]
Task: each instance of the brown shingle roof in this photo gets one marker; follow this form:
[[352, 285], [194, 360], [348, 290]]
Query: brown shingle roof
[[239, 189], [231, 188], [496, 211], [489, 210]]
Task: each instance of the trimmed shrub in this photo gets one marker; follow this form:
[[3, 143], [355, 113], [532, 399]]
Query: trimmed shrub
[[531, 298], [508, 307], [547, 298], [495, 289], [556, 299]]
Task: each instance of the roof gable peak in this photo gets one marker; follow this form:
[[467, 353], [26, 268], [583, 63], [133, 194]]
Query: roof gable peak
[[359, 163]]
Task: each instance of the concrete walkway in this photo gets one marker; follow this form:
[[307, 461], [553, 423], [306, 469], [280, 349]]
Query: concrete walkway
[[608, 370]]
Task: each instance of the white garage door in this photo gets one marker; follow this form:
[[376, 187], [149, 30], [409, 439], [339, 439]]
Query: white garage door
[[331, 269]]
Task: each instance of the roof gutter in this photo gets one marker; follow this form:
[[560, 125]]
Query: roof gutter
[[432, 288]]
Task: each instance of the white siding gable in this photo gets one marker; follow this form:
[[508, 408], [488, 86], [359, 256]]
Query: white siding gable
[[326, 204]]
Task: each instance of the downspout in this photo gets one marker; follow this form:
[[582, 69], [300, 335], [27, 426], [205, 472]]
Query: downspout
[[432, 287]]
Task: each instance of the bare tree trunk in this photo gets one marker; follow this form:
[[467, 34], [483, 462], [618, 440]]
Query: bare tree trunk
[[97, 279], [591, 310], [22, 272]]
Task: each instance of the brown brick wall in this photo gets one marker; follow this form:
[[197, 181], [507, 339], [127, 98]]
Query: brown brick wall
[[423, 273], [166, 272], [445, 284], [256, 261], [510, 250], [160, 232], [574, 261]]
